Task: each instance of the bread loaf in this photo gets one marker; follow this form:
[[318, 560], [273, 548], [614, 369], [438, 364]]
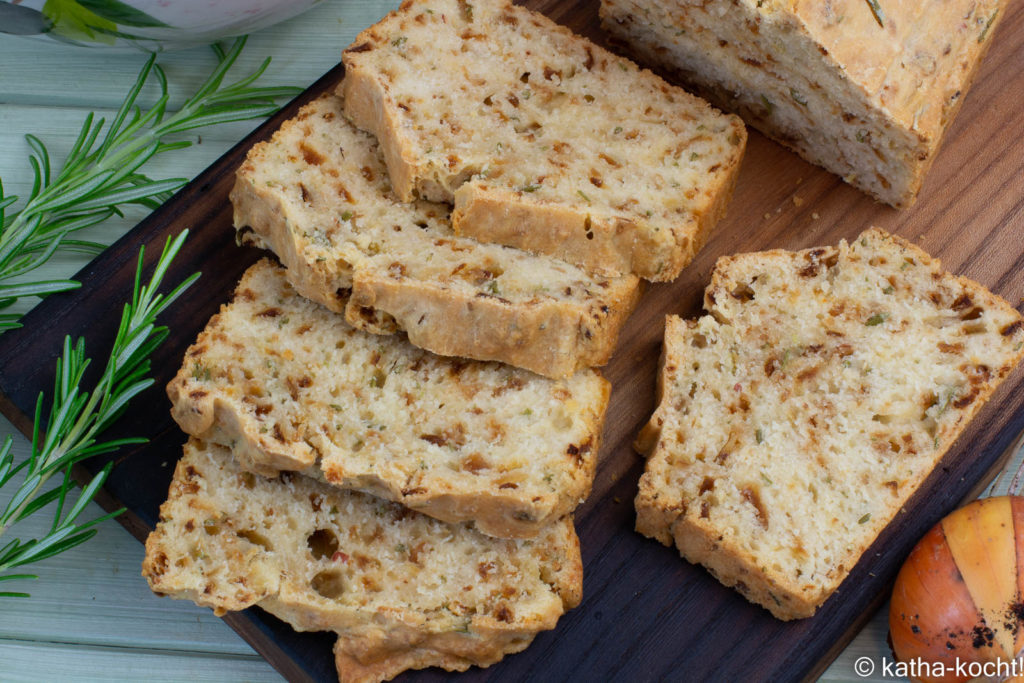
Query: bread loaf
[[401, 590], [799, 416], [865, 89], [318, 195], [542, 139], [288, 385]]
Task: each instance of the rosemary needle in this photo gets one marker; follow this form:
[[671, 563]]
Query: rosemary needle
[[102, 172], [876, 9], [76, 420]]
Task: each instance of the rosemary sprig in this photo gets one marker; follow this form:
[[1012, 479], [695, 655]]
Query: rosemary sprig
[[76, 420], [102, 172]]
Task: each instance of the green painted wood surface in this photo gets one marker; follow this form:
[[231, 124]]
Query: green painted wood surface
[[91, 615]]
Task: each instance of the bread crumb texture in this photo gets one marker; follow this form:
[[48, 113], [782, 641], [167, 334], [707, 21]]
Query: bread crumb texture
[[401, 590], [318, 195], [864, 89], [799, 415], [541, 138], [288, 385]]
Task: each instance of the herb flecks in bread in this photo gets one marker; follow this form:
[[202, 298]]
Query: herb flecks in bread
[[542, 139], [288, 385], [868, 100], [798, 417], [402, 590], [318, 195]]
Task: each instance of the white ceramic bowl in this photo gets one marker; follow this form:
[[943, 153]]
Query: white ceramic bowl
[[156, 24]]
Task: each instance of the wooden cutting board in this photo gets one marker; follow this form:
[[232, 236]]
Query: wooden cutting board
[[646, 614]]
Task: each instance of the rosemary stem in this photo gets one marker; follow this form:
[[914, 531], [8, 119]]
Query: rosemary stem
[[78, 417], [80, 433], [102, 173]]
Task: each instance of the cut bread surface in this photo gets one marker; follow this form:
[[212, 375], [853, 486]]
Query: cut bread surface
[[318, 195], [866, 96], [288, 385], [542, 139], [798, 417], [402, 590]]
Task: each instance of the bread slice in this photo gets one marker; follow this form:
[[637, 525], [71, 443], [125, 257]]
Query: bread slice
[[288, 385], [865, 89], [318, 195], [542, 139], [799, 416], [403, 591]]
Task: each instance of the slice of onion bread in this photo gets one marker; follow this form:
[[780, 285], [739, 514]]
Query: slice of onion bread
[[799, 416], [543, 140], [402, 590], [288, 385], [318, 195]]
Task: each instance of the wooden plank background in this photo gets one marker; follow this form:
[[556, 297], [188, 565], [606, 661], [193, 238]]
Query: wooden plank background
[[94, 600]]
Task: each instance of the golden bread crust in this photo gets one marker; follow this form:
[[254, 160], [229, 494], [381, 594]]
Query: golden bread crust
[[875, 117]]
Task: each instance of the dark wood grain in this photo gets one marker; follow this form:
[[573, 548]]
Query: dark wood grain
[[646, 615]]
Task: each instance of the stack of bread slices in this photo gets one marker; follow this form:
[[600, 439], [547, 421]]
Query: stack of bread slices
[[391, 425]]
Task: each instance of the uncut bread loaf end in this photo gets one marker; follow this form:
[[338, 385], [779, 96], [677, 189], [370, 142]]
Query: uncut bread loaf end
[[318, 195], [288, 385], [799, 416], [863, 89], [542, 139], [401, 590]]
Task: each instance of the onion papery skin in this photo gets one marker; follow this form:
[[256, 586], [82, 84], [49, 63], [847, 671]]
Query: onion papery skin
[[959, 592]]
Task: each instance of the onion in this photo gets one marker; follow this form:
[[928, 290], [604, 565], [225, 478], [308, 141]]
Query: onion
[[959, 597]]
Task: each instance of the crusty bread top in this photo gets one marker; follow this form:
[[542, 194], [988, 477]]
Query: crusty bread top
[[318, 195], [516, 110], [867, 98], [288, 385], [799, 416], [330, 560], [914, 66], [912, 60]]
